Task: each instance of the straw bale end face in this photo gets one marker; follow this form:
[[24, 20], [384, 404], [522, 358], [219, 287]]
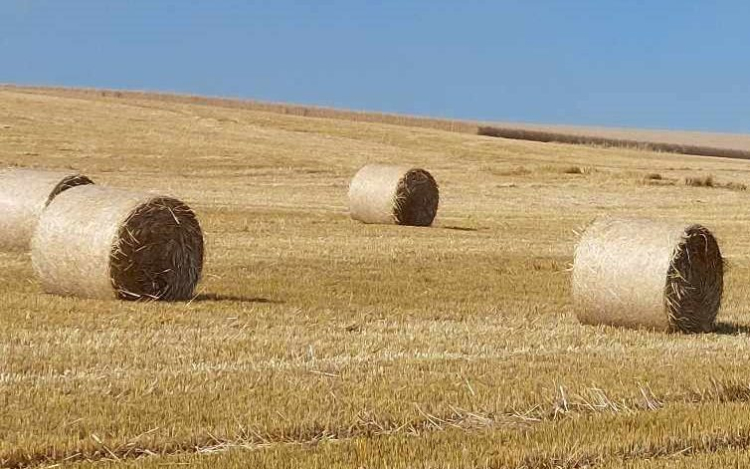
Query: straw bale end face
[[648, 274], [695, 282], [158, 253], [393, 195], [417, 198], [96, 242]]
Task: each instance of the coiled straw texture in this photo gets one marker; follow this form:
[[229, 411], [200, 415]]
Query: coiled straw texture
[[24, 193], [393, 195], [648, 274], [97, 242]]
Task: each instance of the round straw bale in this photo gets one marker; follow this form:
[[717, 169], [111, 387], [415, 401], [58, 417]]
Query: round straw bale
[[24, 193], [393, 195], [648, 274], [97, 242]]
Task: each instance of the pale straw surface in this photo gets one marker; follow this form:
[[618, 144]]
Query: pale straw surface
[[393, 195], [648, 274], [103, 243], [24, 193]]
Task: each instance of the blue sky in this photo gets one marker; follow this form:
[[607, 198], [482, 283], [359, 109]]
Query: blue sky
[[666, 64]]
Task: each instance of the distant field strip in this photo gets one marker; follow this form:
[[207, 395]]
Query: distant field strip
[[720, 145], [555, 137], [260, 106]]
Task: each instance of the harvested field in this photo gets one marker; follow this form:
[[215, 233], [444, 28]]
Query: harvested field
[[318, 341], [675, 141]]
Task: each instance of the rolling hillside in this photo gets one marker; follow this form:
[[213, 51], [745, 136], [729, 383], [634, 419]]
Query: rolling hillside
[[317, 341]]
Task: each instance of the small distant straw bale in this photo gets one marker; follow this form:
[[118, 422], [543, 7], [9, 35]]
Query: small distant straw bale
[[393, 195], [648, 274], [24, 193], [97, 242]]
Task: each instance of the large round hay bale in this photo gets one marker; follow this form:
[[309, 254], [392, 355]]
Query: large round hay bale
[[393, 195], [648, 274], [97, 242], [24, 193]]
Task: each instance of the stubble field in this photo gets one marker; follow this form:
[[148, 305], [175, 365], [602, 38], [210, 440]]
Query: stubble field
[[316, 341]]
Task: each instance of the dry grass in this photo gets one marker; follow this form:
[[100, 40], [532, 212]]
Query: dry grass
[[703, 181], [317, 341], [710, 181], [700, 181], [579, 170]]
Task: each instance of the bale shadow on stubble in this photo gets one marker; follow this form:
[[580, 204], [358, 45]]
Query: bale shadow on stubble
[[458, 228], [235, 298], [731, 328]]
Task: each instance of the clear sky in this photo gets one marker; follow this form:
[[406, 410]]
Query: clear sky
[[665, 64]]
